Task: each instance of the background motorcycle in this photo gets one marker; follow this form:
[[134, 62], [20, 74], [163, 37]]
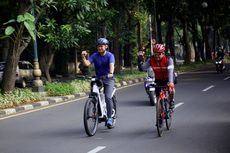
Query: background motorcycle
[[150, 86], [219, 65]]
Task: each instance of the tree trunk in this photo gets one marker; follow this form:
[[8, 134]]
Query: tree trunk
[[208, 48], [139, 35], [116, 28], [127, 46], [47, 70], [102, 29], [159, 35], [170, 39], [186, 42], [46, 62], [16, 48], [195, 40], [126, 58], [9, 75], [205, 34]]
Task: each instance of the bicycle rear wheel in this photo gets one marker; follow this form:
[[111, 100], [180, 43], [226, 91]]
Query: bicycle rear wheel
[[159, 117], [90, 117], [168, 117]]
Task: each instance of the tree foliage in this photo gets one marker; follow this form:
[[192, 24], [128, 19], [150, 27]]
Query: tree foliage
[[65, 24]]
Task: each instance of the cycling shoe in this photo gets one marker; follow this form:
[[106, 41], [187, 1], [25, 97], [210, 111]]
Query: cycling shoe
[[109, 122]]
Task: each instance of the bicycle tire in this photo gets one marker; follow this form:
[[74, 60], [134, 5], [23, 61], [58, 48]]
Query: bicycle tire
[[159, 119], [152, 98], [90, 116], [168, 117]]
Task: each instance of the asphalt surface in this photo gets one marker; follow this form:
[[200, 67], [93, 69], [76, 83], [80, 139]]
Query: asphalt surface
[[201, 122]]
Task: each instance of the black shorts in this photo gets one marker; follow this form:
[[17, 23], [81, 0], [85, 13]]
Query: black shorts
[[160, 83]]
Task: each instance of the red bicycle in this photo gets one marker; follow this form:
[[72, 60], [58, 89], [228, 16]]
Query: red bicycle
[[163, 112]]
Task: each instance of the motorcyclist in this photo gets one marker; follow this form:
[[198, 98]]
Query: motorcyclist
[[103, 61], [163, 68], [220, 53], [84, 69], [141, 56]]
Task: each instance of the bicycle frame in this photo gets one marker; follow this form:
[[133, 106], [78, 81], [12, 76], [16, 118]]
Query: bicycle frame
[[164, 94], [163, 113], [100, 97]]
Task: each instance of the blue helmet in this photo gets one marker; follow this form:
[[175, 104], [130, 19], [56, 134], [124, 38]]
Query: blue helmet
[[102, 41]]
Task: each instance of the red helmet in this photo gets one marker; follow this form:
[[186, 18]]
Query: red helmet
[[158, 48]]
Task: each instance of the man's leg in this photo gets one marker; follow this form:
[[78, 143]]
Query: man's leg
[[108, 87]]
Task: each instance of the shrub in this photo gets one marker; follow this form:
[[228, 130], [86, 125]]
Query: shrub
[[18, 97], [59, 89], [81, 85]]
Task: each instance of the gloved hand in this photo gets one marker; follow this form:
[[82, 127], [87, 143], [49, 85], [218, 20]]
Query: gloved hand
[[171, 86]]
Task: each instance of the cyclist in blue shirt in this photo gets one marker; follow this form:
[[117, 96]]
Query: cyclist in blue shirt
[[103, 61]]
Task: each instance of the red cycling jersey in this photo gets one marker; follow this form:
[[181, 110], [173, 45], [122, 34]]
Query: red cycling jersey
[[160, 68]]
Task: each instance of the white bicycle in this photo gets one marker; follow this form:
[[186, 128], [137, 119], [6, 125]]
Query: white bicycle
[[95, 110]]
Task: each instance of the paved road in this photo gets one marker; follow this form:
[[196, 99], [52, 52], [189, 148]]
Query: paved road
[[201, 123]]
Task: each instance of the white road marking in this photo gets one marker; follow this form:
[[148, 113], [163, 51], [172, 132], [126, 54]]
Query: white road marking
[[227, 78], [99, 148], [179, 104], [206, 89]]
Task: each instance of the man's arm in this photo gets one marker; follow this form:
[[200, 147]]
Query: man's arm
[[84, 60], [145, 65], [170, 70], [111, 68]]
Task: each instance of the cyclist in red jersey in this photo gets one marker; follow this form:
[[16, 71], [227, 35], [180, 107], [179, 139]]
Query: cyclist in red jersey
[[163, 67]]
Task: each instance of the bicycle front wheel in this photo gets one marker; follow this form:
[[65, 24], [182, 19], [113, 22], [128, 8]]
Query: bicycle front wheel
[[90, 117], [159, 117], [168, 117]]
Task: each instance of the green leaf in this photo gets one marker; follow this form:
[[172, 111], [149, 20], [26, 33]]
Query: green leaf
[[9, 30], [20, 18], [31, 24], [29, 17], [29, 28]]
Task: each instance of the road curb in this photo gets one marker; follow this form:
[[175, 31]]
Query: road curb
[[59, 99]]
